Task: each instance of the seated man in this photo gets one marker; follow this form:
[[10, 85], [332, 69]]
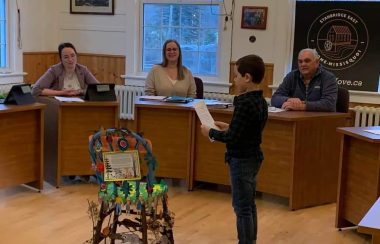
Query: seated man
[[310, 87]]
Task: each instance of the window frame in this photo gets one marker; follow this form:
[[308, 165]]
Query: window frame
[[221, 76], [13, 73], [6, 69]]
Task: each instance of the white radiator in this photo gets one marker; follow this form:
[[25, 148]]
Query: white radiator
[[127, 94], [366, 116], [126, 97]]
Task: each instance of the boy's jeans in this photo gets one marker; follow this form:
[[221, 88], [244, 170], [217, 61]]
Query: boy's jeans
[[243, 184]]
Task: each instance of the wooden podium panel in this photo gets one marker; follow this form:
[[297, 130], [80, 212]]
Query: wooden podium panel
[[76, 122], [275, 174], [21, 145], [170, 129], [301, 157], [209, 159], [359, 174], [301, 150], [68, 126], [314, 168]]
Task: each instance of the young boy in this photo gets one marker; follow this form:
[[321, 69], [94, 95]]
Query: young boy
[[243, 138]]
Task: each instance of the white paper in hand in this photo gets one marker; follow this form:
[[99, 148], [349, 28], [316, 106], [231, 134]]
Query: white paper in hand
[[204, 115]]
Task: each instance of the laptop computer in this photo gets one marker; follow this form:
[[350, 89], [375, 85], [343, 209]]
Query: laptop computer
[[19, 95], [100, 92]]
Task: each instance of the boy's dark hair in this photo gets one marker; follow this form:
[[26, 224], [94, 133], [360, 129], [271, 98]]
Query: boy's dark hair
[[62, 46], [253, 65]]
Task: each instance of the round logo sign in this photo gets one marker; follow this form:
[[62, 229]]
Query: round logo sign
[[340, 37]]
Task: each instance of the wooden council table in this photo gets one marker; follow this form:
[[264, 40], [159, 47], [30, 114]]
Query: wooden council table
[[359, 174], [21, 145], [68, 126], [301, 150]]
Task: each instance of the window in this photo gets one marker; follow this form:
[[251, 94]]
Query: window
[[194, 26], [3, 34]]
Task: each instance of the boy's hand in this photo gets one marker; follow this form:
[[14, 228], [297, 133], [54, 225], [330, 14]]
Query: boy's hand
[[221, 125], [205, 130]]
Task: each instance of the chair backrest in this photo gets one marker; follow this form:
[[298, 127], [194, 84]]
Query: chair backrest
[[342, 102], [199, 85]]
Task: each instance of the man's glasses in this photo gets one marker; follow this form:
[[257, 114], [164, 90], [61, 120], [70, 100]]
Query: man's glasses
[[171, 49]]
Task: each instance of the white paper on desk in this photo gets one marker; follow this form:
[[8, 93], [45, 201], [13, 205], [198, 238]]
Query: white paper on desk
[[204, 115], [69, 99], [152, 98], [377, 132], [216, 103], [275, 110]]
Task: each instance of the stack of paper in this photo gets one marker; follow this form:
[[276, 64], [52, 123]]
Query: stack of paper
[[275, 110], [376, 132], [217, 103], [152, 98], [69, 99]]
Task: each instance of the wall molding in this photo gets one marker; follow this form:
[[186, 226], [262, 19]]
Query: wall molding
[[98, 28]]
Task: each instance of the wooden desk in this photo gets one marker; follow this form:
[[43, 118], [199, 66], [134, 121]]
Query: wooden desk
[[68, 126], [370, 224], [21, 145], [359, 174], [170, 127], [301, 151]]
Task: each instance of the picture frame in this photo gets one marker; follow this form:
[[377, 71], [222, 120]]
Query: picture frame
[[122, 166], [105, 7], [254, 17]]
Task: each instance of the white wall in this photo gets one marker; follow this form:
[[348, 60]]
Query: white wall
[[46, 23], [272, 44]]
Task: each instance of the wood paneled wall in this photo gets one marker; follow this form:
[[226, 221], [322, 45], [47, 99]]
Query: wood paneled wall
[[106, 68], [268, 79]]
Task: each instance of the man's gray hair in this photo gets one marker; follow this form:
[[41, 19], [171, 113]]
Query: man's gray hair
[[312, 51]]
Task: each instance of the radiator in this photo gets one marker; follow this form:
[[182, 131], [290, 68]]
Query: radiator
[[127, 95], [366, 116]]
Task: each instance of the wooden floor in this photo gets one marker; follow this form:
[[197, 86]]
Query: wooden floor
[[201, 217]]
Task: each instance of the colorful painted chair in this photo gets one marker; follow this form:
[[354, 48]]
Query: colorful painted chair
[[132, 208]]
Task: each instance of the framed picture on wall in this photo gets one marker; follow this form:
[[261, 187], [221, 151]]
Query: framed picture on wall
[[254, 17], [92, 6]]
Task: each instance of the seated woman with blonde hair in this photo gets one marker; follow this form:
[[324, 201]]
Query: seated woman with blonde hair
[[170, 78]]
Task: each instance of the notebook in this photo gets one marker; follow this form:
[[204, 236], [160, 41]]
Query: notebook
[[177, 99]]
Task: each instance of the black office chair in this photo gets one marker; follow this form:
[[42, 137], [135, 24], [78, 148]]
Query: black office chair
[[343, 99], [199, 85]]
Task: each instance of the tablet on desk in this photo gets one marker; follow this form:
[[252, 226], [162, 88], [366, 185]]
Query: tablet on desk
[[19, 95], [100, 92]]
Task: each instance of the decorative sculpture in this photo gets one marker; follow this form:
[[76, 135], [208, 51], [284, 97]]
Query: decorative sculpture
[[133, 209]]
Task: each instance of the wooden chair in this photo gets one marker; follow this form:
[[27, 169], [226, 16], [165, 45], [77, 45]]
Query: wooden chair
[[134, 211]]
